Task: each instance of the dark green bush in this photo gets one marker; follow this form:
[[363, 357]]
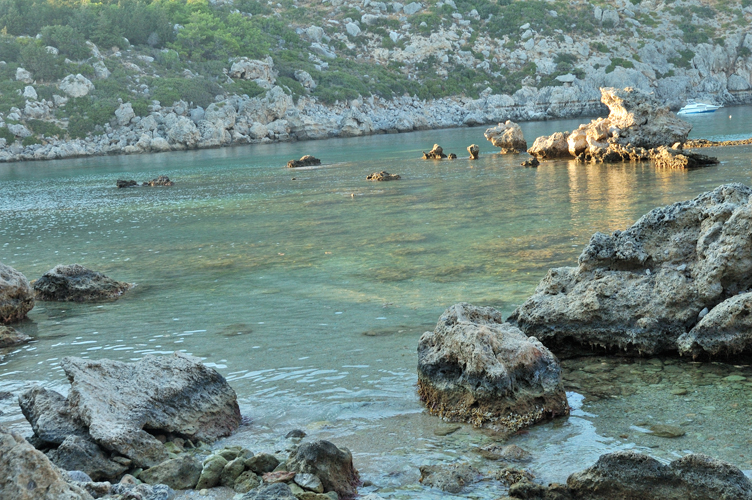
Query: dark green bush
[[200, 91], [46, 129], [42, 64], [68, 40]]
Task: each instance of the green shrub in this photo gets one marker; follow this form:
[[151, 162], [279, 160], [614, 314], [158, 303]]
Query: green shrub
[[68, 40], [10, 49], [42, 64], [684, 60], [200, 91], [7, 135], [599, 47], [247, 87], [46, 129], [618, 61], [30, 140]]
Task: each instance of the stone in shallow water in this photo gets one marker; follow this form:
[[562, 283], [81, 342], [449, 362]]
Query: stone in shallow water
[[16, 295], [475, 368], [332, 465], [666, 431], [10, 337], [75, 283], [450, 478], [447, 430]]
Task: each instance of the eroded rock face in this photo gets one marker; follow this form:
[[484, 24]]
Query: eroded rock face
[[77, 453], [16, 295], [553, 146], [172, 394], [642, 289], [260, 71], [26, 474], [508, 136], [725, 330], [50, 416], [475, 368], [474, 151], [436, 153], [75, 283], [332, 465]]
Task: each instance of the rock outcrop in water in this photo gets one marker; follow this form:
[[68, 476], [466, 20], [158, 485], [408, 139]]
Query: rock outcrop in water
[[305, 161], [162, 180], [508, 136], [332, 465], [642, 290], [475, 368], [117, 403], [474, 151], [383, 176], [627, 475], [16, 295], [638, 128], [75, 283], [436, 153]]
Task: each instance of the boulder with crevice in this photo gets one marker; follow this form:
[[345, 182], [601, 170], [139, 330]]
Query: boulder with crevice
[[508, 136], [75, 283], [476, 368], [16, 295], [639, 290]]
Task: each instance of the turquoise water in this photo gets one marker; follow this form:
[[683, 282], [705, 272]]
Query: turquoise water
[[310, 294]]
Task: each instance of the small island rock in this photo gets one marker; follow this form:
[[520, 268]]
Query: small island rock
[[474, 151], [508, 136], [436, 153], [475, 368], [305, 161], [383, 176], [75, 283], [162, 180]]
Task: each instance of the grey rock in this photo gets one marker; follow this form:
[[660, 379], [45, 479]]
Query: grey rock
[[77, 453], [231, 472], [262, 463], [352, 29], [475, 368], [76, 85], [610, 300], [450, 478], [211, 471], [246, 482], [309, 482], [276, 491], [174, 394], [412, 8], [725, 330], [124, 114], [75, 283], [27, 474], [49, 414], [332, 465], [16, 295]]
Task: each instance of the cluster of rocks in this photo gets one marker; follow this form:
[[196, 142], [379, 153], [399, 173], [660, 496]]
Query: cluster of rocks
[[638, 128], [436, 153], [162, 180], [675, 281], [305, 161]]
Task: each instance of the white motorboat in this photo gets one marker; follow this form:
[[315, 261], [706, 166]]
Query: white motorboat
[[694, 108]]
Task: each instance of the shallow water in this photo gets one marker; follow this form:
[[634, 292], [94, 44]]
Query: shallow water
[[310, 295]]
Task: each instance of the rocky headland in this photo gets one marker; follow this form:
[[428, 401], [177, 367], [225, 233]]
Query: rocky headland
[[356, 68]]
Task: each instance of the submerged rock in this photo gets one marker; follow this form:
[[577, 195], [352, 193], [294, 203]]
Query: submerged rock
[[10, 337], [383, 176], [474, 151], [27, 474], [508, 136], [75, 283], [475, 368], [332, 465], [305, 161], [121, 183], [16, 295], [450, 478], [162, 180], [642, 289], [436, 153]]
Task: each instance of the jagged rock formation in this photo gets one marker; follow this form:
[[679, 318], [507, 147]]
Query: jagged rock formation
[[474, 151], [75, 283], [16, 295], [332, 465], [436, 153], [119, 404], [641, 290], [508, 136], [475, 368]]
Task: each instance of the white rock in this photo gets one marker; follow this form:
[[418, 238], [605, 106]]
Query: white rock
[[124, 114], [305, 79], [314, 33], [52, 50], [101, 70], [413, 7], [19, 130], [352, 29], [59, 100], [394, 36], [610, 16], [525, 26], [323, 50], [369, 19], [397, 7], [76, 85], [30, 93], [703, 313], [160, 143], [23, 76], [568, 78], [260, 71]]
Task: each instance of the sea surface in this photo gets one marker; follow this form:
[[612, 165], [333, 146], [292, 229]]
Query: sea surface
[[308, 289]]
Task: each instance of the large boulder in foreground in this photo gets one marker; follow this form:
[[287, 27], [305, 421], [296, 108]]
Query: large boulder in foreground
[[508, 136], [627, 475], [475, 368], [27, 474], [332, 465], [75, 283], [16, 296], [639, 290], [119, 402]]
